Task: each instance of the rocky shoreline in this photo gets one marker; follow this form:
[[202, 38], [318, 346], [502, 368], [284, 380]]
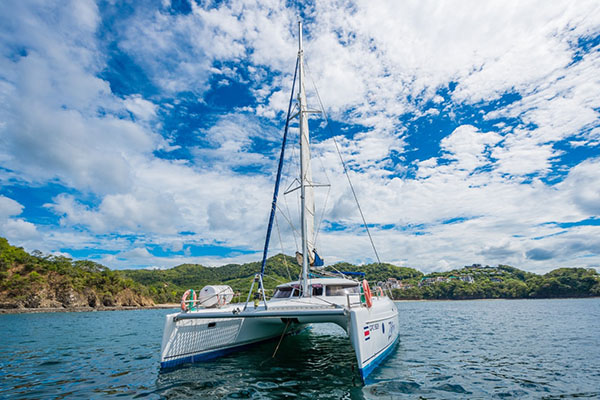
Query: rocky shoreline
[[56, 297], [22, 310]]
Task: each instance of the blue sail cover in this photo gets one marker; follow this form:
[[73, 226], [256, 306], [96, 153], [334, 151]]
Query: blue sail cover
[[350, 273], [318, 260]]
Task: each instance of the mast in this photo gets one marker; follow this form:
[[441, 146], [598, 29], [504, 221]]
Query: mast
[[306, 188]]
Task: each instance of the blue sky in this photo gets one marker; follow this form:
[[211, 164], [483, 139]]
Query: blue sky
[[146, 134]]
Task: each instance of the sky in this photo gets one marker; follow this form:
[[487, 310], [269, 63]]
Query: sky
[[146, 134]]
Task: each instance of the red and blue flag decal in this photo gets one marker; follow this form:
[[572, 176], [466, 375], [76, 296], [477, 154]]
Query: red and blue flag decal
[[367, 333]]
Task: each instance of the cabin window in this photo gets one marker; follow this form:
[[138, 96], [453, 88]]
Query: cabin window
[[283, 292], [341, 290], [297, 291], [317, 290]]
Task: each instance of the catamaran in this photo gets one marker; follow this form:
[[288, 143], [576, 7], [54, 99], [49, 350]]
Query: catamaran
[[209, 325]]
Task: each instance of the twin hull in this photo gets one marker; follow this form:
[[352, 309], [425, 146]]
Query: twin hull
[[205, 334]]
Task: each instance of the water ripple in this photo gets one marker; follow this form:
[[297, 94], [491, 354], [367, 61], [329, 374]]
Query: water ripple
[[548, 349]]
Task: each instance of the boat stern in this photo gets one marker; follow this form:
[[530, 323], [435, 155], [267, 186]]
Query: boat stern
[[373, 333]]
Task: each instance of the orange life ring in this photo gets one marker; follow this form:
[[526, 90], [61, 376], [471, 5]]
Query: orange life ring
[[184, 305], [379, 291], [367, 293]]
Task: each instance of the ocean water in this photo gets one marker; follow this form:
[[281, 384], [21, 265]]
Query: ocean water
[[540, 349]]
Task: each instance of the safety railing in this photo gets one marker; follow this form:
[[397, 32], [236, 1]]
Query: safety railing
[[352, 303]]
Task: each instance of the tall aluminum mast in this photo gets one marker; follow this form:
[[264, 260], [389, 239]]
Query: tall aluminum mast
[[306, 187]]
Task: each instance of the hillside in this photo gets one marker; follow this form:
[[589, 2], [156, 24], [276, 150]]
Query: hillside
[[378, 272], [38, 281], [503, 281], [167, 285]]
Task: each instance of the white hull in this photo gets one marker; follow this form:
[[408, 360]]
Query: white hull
[[209, 333], [381, 323]]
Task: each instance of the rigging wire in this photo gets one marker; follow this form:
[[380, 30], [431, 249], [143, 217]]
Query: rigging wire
[[275, 279], [277, 181], [324, 208], [282, 253], [287, 214], [294, 163], [343, 164], [290, 224], [322, 214], [318, 230]]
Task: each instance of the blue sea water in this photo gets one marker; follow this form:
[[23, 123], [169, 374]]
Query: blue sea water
[[540, 349]]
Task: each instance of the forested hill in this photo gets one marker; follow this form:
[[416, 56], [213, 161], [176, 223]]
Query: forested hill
[[39, 281], [503, 281], [475, 282], [167, 285]]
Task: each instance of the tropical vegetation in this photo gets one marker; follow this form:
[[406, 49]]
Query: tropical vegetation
[[502, 281], [37, 280]]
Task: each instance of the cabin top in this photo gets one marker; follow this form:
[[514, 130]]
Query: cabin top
[[318, 287]]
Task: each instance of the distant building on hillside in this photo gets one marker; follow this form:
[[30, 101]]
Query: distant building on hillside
[[400, 285], [432, 280], [426, 281], [392, 283]]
